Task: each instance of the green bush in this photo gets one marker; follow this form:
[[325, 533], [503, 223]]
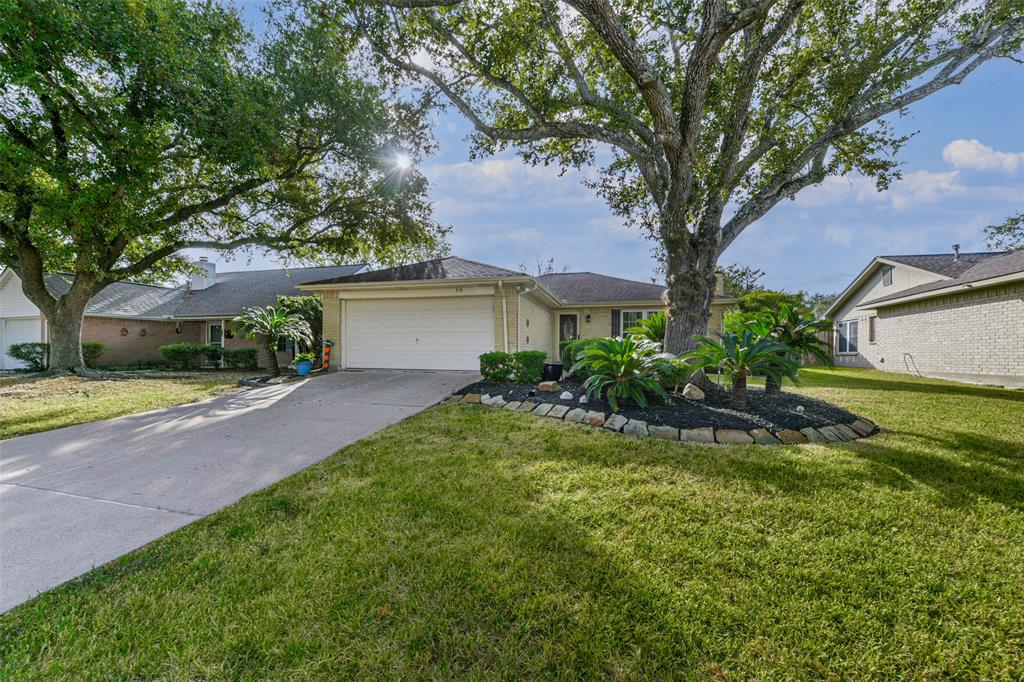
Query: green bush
[[91, 352], [303, 357], [650, 328], [239, 358], [212, 354], [496, 366], [625, 369], [528, 366], [188, 355], [571, 351], [673, 372], [33, 354]]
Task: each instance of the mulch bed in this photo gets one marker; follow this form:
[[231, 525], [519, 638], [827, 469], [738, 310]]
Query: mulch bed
[[774, 413]]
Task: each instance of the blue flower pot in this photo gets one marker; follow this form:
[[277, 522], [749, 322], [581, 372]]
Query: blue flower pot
[[303, 368]]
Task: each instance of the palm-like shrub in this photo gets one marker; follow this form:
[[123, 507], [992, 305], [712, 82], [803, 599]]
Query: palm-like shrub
[[572, 351], [650, 328], [796, 331], [741, 356], [270, 325], [625, 369]]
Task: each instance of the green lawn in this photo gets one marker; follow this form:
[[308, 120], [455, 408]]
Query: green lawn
[[32, 404], [481, 543]]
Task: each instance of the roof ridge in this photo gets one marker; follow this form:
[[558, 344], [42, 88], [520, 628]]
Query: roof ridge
[[124, 281], [600, 274], [477, 262], [945, 253], [304, 267]]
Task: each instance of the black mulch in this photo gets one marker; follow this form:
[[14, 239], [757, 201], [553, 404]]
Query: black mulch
[[774, 413]]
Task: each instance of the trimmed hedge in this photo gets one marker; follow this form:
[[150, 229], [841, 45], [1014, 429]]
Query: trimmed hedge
[[33, 354], [496, 366], [188, 355], [91, 352], [528, 366], [239, 358]]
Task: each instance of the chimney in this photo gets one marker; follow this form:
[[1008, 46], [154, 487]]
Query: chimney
[[956, 252], [204, 279]]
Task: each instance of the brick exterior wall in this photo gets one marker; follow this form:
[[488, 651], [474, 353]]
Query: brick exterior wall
[[142, 340], [972, 335]]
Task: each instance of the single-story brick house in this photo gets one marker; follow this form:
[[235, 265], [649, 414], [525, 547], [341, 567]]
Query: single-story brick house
[[952, 315], [133, 320], [442, 314]]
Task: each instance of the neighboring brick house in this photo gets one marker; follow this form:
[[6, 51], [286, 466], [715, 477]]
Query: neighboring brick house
[[957, 315], [133, 320]]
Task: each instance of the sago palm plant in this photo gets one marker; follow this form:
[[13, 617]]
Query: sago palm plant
[[270, 325], [796, 331], [623, 369], [741, 356], [650, 328]]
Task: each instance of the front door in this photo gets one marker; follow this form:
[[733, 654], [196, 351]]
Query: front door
[[216, 334], [567, 328]]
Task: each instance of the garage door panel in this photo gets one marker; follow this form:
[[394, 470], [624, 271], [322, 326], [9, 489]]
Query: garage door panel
[[14, 331], [421, 333]]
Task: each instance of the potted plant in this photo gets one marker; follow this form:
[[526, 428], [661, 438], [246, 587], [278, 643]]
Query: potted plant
[[303, 363]]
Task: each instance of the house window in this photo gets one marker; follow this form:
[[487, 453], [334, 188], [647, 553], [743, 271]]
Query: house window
[[630, 317], [846, 337], [872, 328], [887, 276], [285, 346]]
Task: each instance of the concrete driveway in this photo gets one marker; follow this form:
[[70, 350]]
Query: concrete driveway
[[77, 497]]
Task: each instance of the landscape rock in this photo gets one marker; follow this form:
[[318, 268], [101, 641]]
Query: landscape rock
[[558, 411], [813, 435], [791, 437], [583, 400], [704, 434], [576, 415], [635, 427], [542, 409], [565, 395], [453, 399], [863, 427], [527, 406], [471, 398], [664, 432], [848, 433], [594, 418], [733, 436], [615, 422], [512, 405], [764, 437], [831, 434], [693, 392], [549, 386]]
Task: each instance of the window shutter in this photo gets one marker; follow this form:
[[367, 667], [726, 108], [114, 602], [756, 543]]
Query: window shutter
[[616, 322]]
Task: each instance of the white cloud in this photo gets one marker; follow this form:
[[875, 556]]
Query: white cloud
[[924, 186], [974, 155], [839, 235]]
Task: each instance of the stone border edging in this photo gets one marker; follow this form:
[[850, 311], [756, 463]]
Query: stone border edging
[[832, 433]]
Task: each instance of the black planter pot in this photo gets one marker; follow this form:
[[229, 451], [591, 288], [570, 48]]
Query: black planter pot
[[552, 371]]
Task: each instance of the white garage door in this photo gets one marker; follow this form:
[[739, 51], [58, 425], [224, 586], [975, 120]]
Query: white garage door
[[419, 333], [13, 331]]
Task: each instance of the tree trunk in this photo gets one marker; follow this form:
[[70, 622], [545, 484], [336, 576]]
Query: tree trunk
[[64, 317], [273, 365], [690, 270], [772, 386], [739, 391]]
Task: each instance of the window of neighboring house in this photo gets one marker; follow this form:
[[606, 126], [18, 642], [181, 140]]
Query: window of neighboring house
[[285, 346], [846, 337], [872, 328], [630, 317], [887, 276]]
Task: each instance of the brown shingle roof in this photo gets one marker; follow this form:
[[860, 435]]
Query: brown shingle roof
[[944, 263], [442, 268], [590, 287], [997, 265]]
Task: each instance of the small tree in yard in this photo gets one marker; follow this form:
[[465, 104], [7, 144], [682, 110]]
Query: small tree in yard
[[270, 325], [133, 129], [799, 333], [311, 309], [741, 356], [704, 113]]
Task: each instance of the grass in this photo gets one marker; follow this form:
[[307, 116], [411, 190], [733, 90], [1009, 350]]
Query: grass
[[40, 403], [481, 543]]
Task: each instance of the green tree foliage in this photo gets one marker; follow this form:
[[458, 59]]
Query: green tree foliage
[[133, 129], [703, 114], [741, 280], [270, 325], [311, 309], [741, 356], [1008, 235]]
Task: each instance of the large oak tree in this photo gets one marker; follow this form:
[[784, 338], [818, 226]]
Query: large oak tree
[[704, 114], [133, 129]]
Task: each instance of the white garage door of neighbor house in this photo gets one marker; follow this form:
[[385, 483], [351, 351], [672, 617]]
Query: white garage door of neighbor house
[[12, 331], [418, 333]]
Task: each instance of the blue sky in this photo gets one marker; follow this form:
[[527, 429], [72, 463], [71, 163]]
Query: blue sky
[[963, 170]]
